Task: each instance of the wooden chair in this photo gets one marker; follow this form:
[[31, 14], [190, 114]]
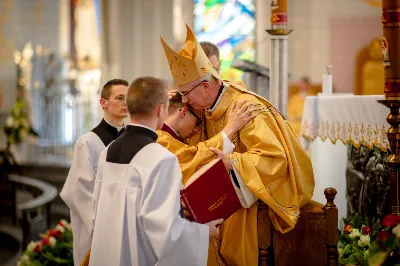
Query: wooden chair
[[312, 242]]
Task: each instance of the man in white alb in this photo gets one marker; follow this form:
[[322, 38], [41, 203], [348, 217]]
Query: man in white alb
[[136, 203], [78, 188]]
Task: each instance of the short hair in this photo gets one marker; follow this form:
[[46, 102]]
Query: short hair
[[144, 94], [175, 103], [210, 49], [106, 91]]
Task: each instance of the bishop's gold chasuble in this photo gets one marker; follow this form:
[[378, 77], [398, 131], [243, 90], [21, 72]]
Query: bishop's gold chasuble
[[274, 166], [190, 157], [268, 158]]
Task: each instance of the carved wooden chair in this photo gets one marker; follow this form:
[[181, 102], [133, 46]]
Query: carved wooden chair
[[312, 242]]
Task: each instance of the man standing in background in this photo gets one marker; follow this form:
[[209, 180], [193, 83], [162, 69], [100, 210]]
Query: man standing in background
[[78, 188]]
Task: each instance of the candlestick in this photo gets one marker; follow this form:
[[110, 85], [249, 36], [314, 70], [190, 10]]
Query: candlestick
[[391, 62]]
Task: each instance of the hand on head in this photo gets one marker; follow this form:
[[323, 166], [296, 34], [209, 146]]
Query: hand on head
[[241, 113], [172, 93]]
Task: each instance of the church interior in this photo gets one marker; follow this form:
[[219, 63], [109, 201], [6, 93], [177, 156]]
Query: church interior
[[330, 67]]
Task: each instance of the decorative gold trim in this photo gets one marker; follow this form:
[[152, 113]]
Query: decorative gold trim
[[391, 25], [279, 31], [369, 135]]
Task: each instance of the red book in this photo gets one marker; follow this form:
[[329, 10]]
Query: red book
[[210, 193]]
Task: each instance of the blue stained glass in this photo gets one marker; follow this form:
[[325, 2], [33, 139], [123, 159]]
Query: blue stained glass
[[231, 25]]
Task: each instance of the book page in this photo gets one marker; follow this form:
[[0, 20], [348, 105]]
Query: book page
[[201, 171]]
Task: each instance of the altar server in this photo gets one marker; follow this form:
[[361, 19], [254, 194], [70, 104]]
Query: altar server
[[78, 188], [136, 203]]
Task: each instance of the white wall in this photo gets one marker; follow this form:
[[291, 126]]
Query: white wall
[[330, 32], [22, 21]]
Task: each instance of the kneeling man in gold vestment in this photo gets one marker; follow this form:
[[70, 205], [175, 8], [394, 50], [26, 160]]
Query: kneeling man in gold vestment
[[268, 161], [183, 121]]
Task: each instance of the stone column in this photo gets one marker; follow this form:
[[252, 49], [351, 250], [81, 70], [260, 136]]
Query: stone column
[[278, 91], [391, 62]]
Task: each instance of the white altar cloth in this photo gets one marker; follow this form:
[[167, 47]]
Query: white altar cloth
[[341, 119]]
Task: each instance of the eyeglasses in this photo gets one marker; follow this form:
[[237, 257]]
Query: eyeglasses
[[120, 98], [198, 118], [186, 93]]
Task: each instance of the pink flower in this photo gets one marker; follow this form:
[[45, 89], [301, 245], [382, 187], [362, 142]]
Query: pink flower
[[366, 230]]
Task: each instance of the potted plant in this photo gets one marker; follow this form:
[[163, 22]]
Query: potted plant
[[55, 248], [385, 249], [354, 241], [17, 127]]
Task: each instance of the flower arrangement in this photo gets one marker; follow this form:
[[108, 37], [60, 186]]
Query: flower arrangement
[[55, 248], [17, 125], [385, 249], [354, 241]]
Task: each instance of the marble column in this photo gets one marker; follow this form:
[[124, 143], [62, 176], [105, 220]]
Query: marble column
[[278, 92]]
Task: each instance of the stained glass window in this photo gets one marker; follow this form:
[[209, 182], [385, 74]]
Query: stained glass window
[[231, 25]]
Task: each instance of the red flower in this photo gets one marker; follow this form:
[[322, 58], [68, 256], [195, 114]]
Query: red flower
[[366, 230], [55, 233], [46, 241], [347, 229], [391, 220], [60, 223], [383, 235], [38, 248]]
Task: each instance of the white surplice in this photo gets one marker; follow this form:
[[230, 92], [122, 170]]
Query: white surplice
[[78, 190], [136, 211]]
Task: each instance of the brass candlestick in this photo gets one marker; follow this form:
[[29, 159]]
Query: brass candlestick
[[391, 62]]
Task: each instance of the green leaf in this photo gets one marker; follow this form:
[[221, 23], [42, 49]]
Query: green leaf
[[375, 228], [377, 259], [350, 259], [355, 222]]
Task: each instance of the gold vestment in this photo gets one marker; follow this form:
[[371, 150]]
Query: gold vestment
[[273, 165]]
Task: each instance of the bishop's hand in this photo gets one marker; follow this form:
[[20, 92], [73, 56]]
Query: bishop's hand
[[213, 228], [225, 158], [241, 113], [172, 93]]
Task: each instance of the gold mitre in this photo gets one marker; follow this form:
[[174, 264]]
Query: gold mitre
[[190, 63]]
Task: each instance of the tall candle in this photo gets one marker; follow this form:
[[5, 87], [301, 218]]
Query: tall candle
[[279, 14], [282, 5], [327, 81]]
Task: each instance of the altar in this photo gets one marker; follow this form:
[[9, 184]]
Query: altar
[[345, 136]]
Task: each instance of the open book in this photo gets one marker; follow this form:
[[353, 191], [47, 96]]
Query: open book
[[211, 193]]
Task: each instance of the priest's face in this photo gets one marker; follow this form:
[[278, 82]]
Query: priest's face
[[115, 105], [188, 124], [199, 94]]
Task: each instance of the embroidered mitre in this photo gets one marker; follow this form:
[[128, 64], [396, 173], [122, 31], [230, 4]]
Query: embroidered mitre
[[190, 63]]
